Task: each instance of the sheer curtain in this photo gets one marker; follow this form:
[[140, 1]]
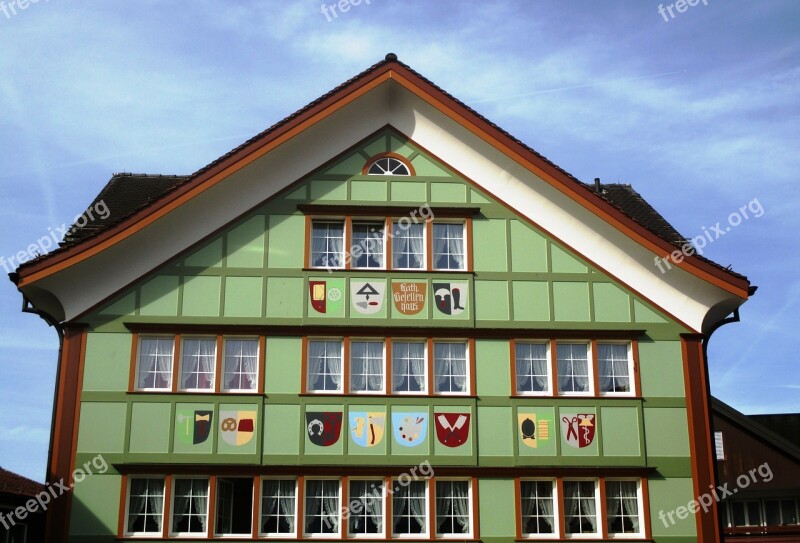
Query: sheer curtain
[[573, 367], [630, 503], [155, 362], [408, 358], [137, 503], [461, 504], [313, 503], [269, 502], [327, 242], [570, 502], [441, 258], [375, 511], [183, 489], [198, 365], [589, 507], [241, 364], [456, 235], [367, 366], [201, 503], [412, 239], [416, 491], [613, 360], [287, 503], [450, 364], [545, 503], [316, 356], [532, 367], [330, 504]]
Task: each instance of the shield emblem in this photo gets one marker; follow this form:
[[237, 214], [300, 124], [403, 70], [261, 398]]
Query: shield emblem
[[324, 427], [452, 429], [367, 429], [410, 429], [368, 296], [409, 298], [237, 427], [194, 427], [578, 429], [533, 429], [318, 295], [451, 298]]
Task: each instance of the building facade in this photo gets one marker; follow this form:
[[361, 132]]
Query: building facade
[[383, 318]]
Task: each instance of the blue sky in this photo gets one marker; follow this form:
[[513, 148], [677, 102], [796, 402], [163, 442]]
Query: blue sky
[[699, 112]]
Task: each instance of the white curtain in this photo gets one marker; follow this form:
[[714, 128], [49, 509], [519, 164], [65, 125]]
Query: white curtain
[[589, 508], [573, 367], [532, 370], [330, 504], [412, 240], [183, 488], [375, 510], [450, 362], [366, 358], [241, 364], [440, 246], [570, 501], [546, 504], [137, 501], [408, 358], [416, 490], [448, 242], [269, 501], [461, 504], [201, 502], [287, 503], [199, 362], [613, 360], [155, 362], [313, 503], [327, 241], [630, 502]]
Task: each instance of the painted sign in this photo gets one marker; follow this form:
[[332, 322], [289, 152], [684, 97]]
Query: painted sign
[[452, 429], [578, 429], [410, 429], [533, 429], [367, 429], [409, 298], [193, 427], [237, 427], [451, 298], [325, 296], [368, 296], [324, 427]]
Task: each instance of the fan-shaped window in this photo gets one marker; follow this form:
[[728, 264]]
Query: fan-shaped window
[[388, 165]]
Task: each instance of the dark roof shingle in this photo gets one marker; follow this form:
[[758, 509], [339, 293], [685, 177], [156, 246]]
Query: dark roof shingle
[[11, 483]]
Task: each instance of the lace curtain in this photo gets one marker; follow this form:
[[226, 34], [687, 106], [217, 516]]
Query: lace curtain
[[532, 370], [613, 359], [408, 358], [408, 242], [450, 366], [241, 364], [146, 493], [448, 243], [573, 367], [324, 361], [198, 364], [366, 359], [155, 362]]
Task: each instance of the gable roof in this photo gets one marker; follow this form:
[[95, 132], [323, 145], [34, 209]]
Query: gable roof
[[11, 483], [752, 425]]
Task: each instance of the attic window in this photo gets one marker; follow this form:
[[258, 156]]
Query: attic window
[[388, 165]]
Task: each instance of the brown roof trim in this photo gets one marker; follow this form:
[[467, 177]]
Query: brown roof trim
[[335, 100]]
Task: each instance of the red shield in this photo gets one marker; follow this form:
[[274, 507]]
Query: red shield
[[452, 429]]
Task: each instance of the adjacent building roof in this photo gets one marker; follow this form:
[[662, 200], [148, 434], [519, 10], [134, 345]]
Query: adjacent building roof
[[11, 483], [780, 438]]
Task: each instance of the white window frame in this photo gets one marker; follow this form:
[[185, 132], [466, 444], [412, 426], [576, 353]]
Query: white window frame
[[221, 377], [180, 364], [383, 366], [127, 531], [344, 256], [548, 364], [366, 220], [599, 520], [190, 535], [390, 369], [389, 160], [631, 378], [464, 241], [393, 222], [470, 509], [384, 498], [336, 535], [557, 504], [341, 390], [277, 535], [426, 533], [589, 365], [142, 339], [216, 533], [639, 505], [467, 367]]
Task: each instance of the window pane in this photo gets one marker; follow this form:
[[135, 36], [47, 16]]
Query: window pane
[[367, 249], [448, 247], [408, 366], [278, 506], [580, 509], [739, 514], [622, 505], [754, 513], [772, 511], [537, 507], [789, 512], [452, 507], [155, 363], [327, 244], [388, 166], [533, 368], [324, 366], [450, 367], [408, 245], [234, 506], [145, 505], [614, 368], [190, 506], [198, 363], [322, 507], [366, 366], [573, 367], [241, 364], [409, 508], [365, 508]]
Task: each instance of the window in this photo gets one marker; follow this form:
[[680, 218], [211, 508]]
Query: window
[[453, 508], [190, 506], [580, 508], [450, 368], [155, 363], [366, 366], [241, 365], [719, 446], [623, 508], [322, 507], [325, 366], [278, 507], [410, 509], [408, 246], [388, 166], [533, 368], [18, 533], [365, 513], [145, 506], [573, 368], [537, 508], [614, 368], [408, 367], [198, 363], [746, 513], [234, 506], [449, 246], [327, 244], [367, 250]]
